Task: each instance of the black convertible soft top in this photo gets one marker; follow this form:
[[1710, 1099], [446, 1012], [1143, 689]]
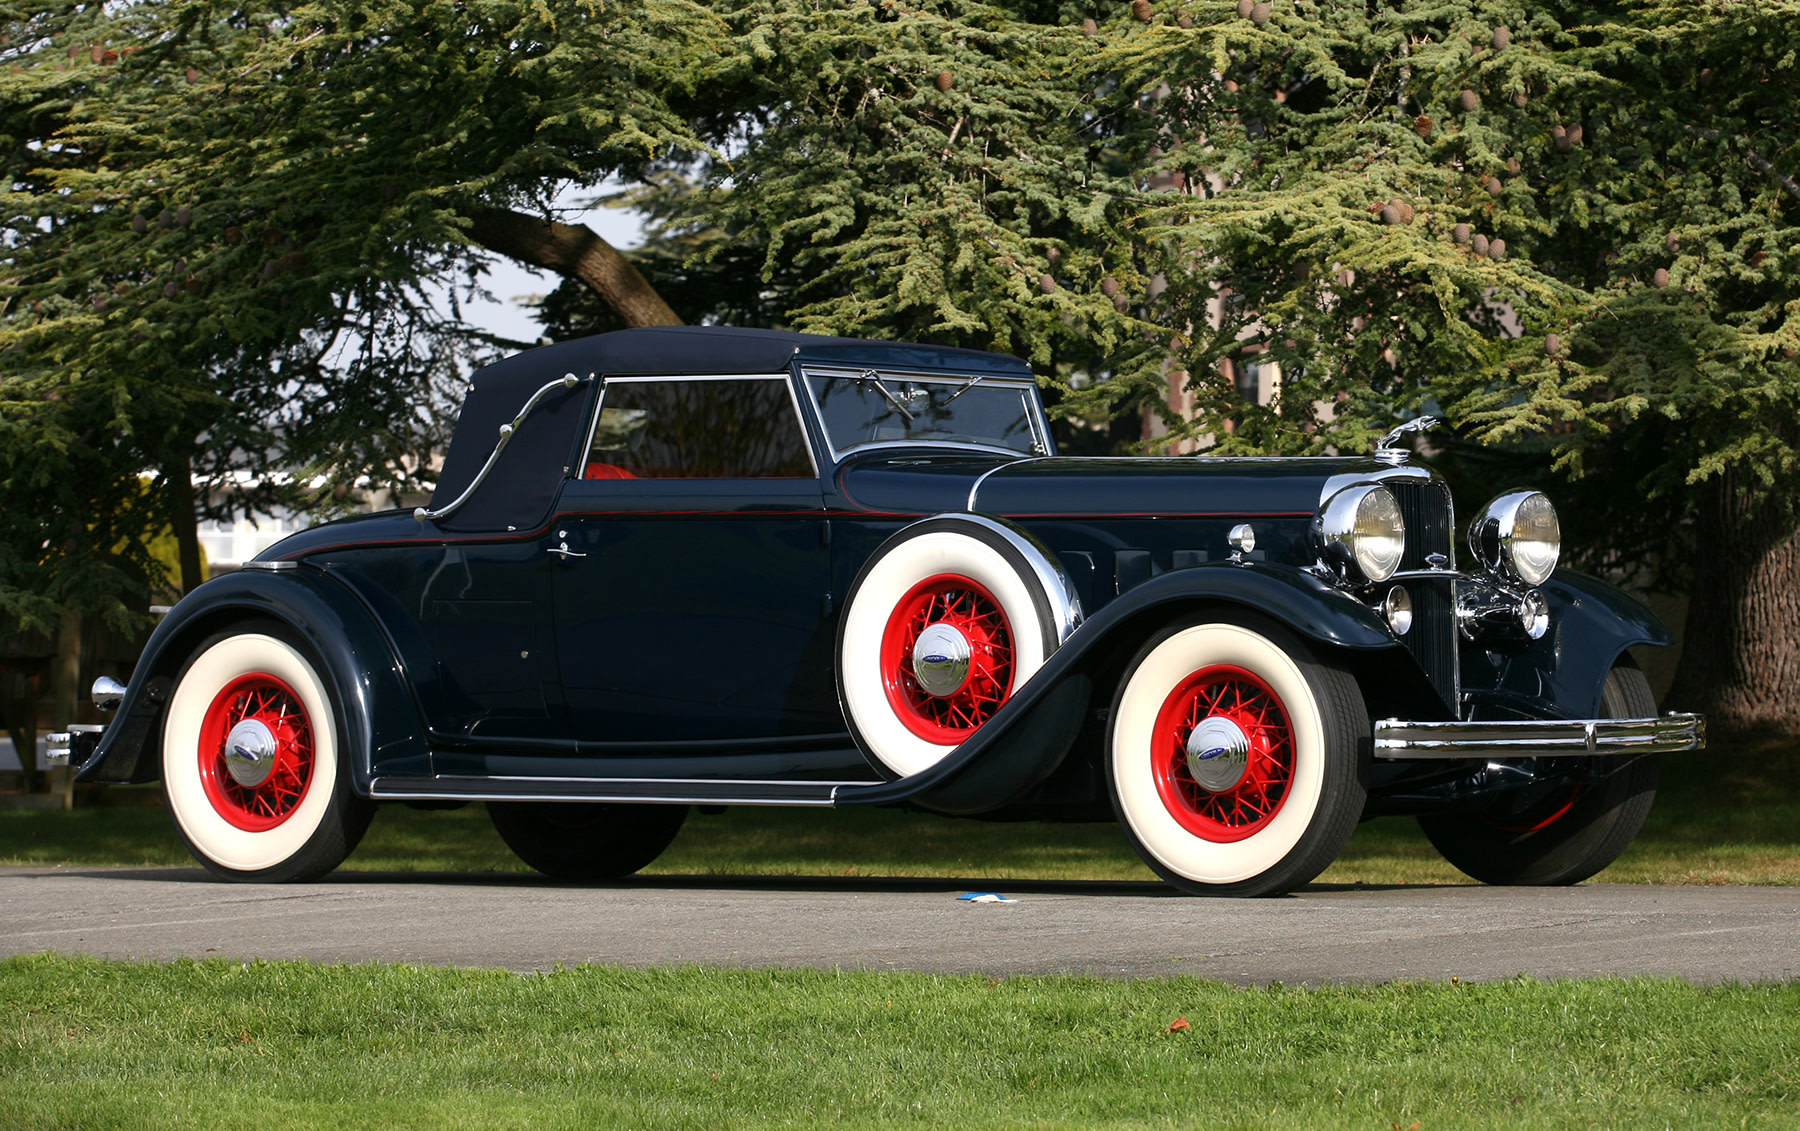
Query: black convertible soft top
[[518, 493]]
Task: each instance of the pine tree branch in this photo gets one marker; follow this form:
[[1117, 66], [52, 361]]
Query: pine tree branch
[[577, 251], [1755, 160]]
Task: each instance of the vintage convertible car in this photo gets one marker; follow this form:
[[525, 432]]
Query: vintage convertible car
[[710, 566]]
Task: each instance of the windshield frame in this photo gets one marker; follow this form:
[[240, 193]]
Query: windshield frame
[[1041, 443]]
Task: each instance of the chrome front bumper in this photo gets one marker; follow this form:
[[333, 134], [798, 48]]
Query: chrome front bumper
[[72, 746], [1534, 738]]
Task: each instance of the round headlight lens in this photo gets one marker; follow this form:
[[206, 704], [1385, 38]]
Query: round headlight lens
[[1518, 534], [1536, 540], [1363, 529]]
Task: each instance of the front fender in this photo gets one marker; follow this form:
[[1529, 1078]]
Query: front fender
[[1563, 673], [1028, 738], [379, 720]]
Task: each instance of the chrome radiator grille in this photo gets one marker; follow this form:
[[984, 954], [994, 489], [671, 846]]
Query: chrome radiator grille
[[1425, 505]]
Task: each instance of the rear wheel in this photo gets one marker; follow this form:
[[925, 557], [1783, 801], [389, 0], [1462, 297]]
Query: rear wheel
[[586, 841], [251, 761], [1236, 758], [1580, 818]]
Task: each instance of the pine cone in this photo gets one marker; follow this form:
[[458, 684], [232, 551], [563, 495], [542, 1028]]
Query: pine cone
[[1460, 233], [1245, 7], [139, 224], [1478, 243], [1469, 99], [1185, 22], [1520, 99], [1089, 27], [1260, 13], [1046, 282], [1502, 37], [1423, 126], [1672, 242], [233, 234], [193, 76], [1109, 286], [1552, 344], [1560, 136], [1120, 303], [170, 290], [1141, 9], [945, 80], [1513, 166], [1054, 255], [1661, 278], [1494, 186], [1390, 214], [1496, 249], [184, 216]]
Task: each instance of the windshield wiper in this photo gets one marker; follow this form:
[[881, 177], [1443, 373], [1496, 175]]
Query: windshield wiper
[[966, 386], [874, 378]]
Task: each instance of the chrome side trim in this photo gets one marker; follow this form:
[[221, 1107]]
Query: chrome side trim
[[1534, 738], [635, 791], [975, 487], [272, 567], [566, 381]]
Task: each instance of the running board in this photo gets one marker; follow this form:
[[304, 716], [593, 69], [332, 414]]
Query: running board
[[638, 791]]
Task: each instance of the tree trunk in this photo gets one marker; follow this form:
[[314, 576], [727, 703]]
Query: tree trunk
[[1740, 657], [19, 714], [184, 519], [574, 250]]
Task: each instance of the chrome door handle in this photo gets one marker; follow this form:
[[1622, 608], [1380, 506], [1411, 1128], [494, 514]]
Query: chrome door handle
[[564, 551]]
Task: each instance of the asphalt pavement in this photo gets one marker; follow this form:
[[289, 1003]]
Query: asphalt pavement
[[1321, 935]]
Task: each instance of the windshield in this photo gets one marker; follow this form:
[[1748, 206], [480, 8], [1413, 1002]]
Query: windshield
[[872, 408]]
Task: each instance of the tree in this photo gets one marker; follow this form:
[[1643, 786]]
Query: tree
[[1563, 225]]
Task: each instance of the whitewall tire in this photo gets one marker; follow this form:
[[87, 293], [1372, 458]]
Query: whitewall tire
[[1236, 759], [945, 622], [251, 762]]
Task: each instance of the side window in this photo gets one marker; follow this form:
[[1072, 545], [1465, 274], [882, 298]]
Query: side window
[[698, 429]]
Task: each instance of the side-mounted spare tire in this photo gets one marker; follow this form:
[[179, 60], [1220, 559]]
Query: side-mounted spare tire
[[944, 623]]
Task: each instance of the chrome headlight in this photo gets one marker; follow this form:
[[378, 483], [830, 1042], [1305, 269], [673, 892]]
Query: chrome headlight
[[1363, 532], [1518, 535]]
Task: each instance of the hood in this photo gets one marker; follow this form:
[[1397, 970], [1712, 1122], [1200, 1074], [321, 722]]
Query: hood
[[1171, 487]]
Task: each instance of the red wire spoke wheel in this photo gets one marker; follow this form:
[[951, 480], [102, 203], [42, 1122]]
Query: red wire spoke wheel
[[251, 759], [1223, 754], [1233, 756], [256, 752], [947, 658], [943, 624]]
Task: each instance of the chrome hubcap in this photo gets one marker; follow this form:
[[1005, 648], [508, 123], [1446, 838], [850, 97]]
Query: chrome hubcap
[[250, 752], [1218, 753], [941, 660]]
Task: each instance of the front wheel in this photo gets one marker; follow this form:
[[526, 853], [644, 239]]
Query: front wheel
[[1580, 818], [1237, 758], [588, 840], [251, 762]]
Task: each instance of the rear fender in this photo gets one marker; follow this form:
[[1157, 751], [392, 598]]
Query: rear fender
[[1028, 738], [380, 722]]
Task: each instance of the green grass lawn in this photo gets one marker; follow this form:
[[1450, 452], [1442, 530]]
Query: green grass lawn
[[1728, 816], [92, 1045]]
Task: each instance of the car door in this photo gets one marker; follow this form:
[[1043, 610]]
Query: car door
[[690, 601]]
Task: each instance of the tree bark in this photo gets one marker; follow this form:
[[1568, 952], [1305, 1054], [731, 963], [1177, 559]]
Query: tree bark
[[1740, 656], [19, 715], [184, 519], [577, 251]]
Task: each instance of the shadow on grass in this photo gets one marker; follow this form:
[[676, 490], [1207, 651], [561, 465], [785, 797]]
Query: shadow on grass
[[1728, 815]]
